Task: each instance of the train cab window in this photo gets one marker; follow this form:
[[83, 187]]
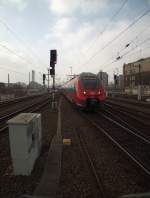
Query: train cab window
[[90, 83]]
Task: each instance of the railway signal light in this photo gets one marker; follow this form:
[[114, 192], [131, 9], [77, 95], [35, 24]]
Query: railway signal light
[[53, 55], [53, 60], [52, 64]]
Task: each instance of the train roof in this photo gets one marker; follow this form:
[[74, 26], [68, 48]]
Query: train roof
[[82, 75], [87, 74]]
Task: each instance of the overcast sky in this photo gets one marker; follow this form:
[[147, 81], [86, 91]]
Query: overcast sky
[[81, 30]]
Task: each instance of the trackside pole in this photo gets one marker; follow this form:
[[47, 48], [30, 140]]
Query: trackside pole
[[139, 92], [54, 102], [53, 61], [48, 80]]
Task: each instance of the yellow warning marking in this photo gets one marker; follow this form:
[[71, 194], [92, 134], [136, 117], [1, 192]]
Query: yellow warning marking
[[67, 141]]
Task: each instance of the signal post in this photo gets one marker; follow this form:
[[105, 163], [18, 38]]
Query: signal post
[[53, 61]]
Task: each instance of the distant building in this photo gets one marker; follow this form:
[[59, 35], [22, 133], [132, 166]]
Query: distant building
[[34, 88], [33, 75], [103, 76], [135, 74], [13, 90]]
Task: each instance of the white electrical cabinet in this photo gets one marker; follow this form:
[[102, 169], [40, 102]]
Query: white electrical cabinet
[[25, 141]]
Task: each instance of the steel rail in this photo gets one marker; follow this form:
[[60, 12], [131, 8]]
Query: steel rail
[[126, 129], [130, 114], [133, 158], [27, 108], [129, 126], [129, 109], [91, 164], [129, 101], [19, 99], [18, 111]]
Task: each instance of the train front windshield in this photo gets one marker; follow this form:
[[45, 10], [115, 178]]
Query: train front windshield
[[90, 83]]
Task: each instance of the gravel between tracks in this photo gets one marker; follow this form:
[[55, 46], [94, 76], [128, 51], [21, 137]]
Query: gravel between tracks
[[143, 128], [119, 175], [75, 180], [4, 110], [12, 186]]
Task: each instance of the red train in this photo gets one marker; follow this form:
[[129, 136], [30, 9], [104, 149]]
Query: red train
[[85, 91]]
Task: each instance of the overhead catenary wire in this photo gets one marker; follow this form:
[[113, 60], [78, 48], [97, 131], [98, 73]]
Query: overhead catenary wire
[[136, 46], [14, 71], [129, 44], [13, 52], [141, 32], [17, 55], [146, 40], [111, 19], [17, 38], [147, 47], [143, 49], [117, 36]]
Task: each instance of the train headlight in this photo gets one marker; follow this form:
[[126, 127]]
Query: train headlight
[[84, 92], [99, 92]]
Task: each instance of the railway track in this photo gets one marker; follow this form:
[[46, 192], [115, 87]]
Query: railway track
[[98, 180], [141, 127], [132, 144], [18, 103], [12, 186], [139, 115], [35, 106], [129, 101], [130, 107], [85, 180], [116, 172], [18, 100]]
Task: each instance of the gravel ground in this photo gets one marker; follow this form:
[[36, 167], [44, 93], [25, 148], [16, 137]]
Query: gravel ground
[[11, 186], [118, 174], [76, 180]]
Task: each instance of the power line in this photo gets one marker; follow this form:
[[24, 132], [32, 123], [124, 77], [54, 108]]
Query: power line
[[118, 11], [127, 45], [111, 19], [136, 46], [128, 52], [11, 31], [117, 36], [146, 28], [17, 37], [8, 69], [13, 52], [143, 49]]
